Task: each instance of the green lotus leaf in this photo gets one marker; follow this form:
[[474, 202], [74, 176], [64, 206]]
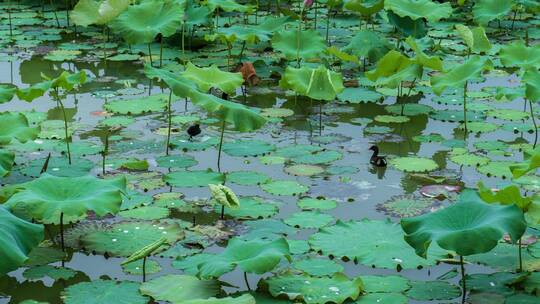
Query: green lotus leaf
[[243, 148], [303, 170], [460, 74], [243, 299], [405, 206], [136, 268], [393, 68], [253, 256], [433, 290], [251, 208], [517, 54], [18, 238], [497, 282], [34, 91], [7, 159], [305, 44], [197, 15], [475, 38], [391, 283], [247, 178], [418, 9], [180, 288], [145, 251], [309, 219], [319, 83], [531, 164], [414, 164], [181, 86], [319, 157], [142, 22], [154, 103], [47, 197], [228, 6], [359, 95], [15, 125], [531, 78], [500, 169], [407, 26], [366, 43], [176, 161], [213, 77], [58, 166], [7, 92], [224, 195], [432, 62], [477, 232], [382, 298], [284, 187], [318, 267], [391, 119], [55, 273], [123, 239], [470, 159], [87, 12], [255, 33], [145, 213], [479, 127], [199, 178], [320, 204], [363, 7], [486, 10], [313, 290], [104, 291], [380, 244], [410, 109]]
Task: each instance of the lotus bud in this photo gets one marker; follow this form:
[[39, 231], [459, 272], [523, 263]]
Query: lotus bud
[[308, 3]]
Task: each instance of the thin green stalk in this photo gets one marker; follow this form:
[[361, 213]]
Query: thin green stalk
[[242, 52], [316, 13], [298, 39], [67, 12], [62, 231], [320, 118], [183, 42], [534, 123], [150, 54], [520, 269], [465, 107], [144, 269], [463, 283], [246, 280], [9, 16], [222, 212], [105, 151], [55, 15], [328, 27], [65, 126], [161, 51], [169, 116], [45, 164], [220, 145]]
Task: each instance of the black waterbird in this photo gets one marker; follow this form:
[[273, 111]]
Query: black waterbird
[[376, 160], [194, 131]]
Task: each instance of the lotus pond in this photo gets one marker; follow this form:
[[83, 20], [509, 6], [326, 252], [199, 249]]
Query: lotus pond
[[105, 197]]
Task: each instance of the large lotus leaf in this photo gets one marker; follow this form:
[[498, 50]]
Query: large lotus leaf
[[228, 6], [517, 54], [414, 164], [66, 80], [391, 283], [196, 15], [253, 256], [88, 12], [243, 299], [248, 148], [104, 291], [15, 125], [418, 9], [475, 38], [486, 10], [467, 227], [154, 103], [374, 243], [457, 76], [142, 22], [307, 44], [407, 26], [389, 65], [363, 7], [432, 290], [243, 118], [180, 288], [18, 237], [255, 33], [319, 83], [531, 78], [213, 77], [7, 159], [7, 92], [370, 44], [34, 91], [48, 196], [531, 164], [432, 62], [194, 178], [313, 290], [126, 238], [180, 86]]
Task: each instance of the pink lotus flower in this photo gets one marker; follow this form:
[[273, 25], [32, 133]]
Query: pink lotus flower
[[308, 3]]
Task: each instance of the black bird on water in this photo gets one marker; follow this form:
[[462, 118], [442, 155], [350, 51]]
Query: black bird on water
[[194, 131], [376, 160]]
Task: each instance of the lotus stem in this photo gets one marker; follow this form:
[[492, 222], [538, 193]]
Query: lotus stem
[[534, 124], [150, 54], [256, 11], [278, 7], [144, 269], [514, 19], [242, 52], [520, 269], [55, 15], [67, 12], [465, 107], [62, 231], [316, 13], [320, 118], [246, 280], [220, 146], [229, 55], [183, 42], [161, 51], [9, 16], [169, 118], [222, 216], [463, 283], [45, 164], [105, 151], [328, 27], [65, 126], [298, 40]]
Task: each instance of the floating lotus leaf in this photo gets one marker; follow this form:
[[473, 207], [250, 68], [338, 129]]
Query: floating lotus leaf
[[508, 114], [6, 93], [199, 178], [391, 283], [125, 238], [531, 77], [251, 208], [499, 169], [479, 127], [374, 243], [318, 267], [15, 126], [460, 74], [410, 109], [478, 232], [504, 257], [391, 119], [154, 103], [312, 203], [405, 206], [104, 291], [254, 256], [433, 290], [18, 238], [309, 219], [382, 298], [284, 187], [414, 164], [248, 148], [243, 299], [142, 22], [417, 9], [457, 116], [145, 213], [428, 138], [47, 197], [486, 10], [213, 77], [268, 228], [313, 290], [366, 43], [497, 282], [55, 273], [247, 178], [176, 161], [276, 112], [228, 6], [304, 170], [365, 8], [180, 288], [309, 45], [298, 246], [319, 83], [184, 144], [7, 159], [255, 33], [470, 159], [136, 268], [359, 95], [296, 150], [475, 38]]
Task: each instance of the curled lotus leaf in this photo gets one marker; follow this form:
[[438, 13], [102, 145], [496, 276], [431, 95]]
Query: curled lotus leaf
[[7, 160], [87, 12], [213, 77], [7, 92], [224, 195], [486, 10], [460, 74], [306, 44], [15, 126], [319, 83], [417, 9]]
